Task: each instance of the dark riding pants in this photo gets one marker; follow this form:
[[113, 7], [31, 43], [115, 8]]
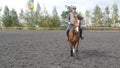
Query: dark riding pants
[[69, 26]]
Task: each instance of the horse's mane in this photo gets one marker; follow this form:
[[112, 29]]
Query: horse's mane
[[80, 17]]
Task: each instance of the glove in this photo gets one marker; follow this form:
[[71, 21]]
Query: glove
[[68, 22]]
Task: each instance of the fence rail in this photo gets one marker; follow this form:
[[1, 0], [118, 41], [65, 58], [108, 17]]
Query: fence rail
[[59, 28]]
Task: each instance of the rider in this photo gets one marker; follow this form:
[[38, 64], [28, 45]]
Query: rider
[[71, 21]]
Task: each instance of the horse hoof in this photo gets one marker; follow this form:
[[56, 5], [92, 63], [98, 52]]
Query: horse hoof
[[71, 55]]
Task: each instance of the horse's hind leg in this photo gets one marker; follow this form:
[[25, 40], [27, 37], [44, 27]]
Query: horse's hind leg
[[71, 52]]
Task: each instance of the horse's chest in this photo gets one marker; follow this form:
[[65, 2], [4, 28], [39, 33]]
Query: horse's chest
[[75, 37]]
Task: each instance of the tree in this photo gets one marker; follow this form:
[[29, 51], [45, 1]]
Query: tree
[[97, 16], [38, 15], [115, 14], [0, 9], [107, 21], [87, 17], [6, 18], [21, 16], [55, 18], [46, 18], [26, 17], [87, 14], [46, 22], [14, 17], [0, 14], [66, 13]]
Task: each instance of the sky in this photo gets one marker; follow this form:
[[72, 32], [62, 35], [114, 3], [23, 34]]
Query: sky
[[82, 5]]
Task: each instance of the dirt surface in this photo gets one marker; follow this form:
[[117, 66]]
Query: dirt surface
[[49, 49]]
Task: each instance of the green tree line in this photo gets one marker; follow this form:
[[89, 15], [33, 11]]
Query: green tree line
[[107, 18], [40, 17], [31, 17]]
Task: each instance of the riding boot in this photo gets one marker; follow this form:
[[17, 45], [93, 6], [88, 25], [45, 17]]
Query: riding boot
[[71, 52], [67, 34], [81, 31]]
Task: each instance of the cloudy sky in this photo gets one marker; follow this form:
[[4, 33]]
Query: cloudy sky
[[81, 5]]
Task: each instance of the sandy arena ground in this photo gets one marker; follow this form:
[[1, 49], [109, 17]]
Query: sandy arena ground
[[49, 49]]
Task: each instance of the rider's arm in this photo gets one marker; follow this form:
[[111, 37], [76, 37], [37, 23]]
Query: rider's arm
[[68, 19]]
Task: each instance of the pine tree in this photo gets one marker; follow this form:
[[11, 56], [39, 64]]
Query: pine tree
[[6, 18], [107, 17], [87, 17], [38, 15], [14, 17], [46, 18], [66, 13], [55, 18], [0, 11], [115, 14], [97, 16]]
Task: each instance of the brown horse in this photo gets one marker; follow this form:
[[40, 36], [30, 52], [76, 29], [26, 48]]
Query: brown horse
[[74, 37]]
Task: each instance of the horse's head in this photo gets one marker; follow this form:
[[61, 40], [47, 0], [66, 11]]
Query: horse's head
[[77, 22]]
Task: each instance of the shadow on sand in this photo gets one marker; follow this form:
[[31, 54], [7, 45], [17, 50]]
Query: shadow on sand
[[87, 54]]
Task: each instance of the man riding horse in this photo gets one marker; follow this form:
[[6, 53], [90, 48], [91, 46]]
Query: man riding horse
[[71, 20]]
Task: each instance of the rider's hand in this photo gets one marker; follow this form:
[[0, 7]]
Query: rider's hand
[[68, 22]]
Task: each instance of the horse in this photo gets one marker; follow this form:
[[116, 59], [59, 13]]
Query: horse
[[74, 37]]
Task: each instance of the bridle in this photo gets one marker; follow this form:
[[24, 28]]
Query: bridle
[[76, 24]]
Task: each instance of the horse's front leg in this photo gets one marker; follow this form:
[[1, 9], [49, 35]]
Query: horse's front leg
[[71, 50], [76, 47]]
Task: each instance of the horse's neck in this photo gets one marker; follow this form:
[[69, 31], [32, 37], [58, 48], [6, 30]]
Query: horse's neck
[[73, 29], [73, 34]]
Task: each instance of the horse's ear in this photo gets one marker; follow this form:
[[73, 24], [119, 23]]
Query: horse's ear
[[80, 17], [76, 16]]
